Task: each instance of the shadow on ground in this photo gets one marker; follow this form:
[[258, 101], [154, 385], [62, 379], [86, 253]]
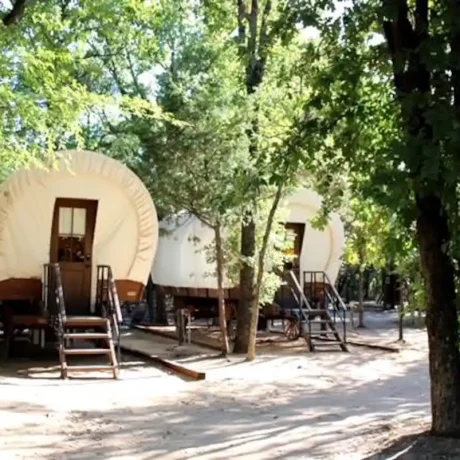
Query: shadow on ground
[[275, 420], [420, 446]]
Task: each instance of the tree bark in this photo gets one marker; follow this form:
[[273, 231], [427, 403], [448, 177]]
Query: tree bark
[[441, 315], [247, 278], [361, 256], [367, 283], [361, 298], [220, 288], [401, 322]]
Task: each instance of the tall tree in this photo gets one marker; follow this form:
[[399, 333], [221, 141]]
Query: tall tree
[[393, 69], [41, 101], [423, 89], [254, 46], [211, 80]]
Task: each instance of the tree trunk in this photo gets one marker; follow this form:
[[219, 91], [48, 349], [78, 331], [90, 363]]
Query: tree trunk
[[401, 322], [254, 314], [408, 35], [362, 256], [220, 288], [367, 283], [441, 315], [254, 48], [247, 278], [361, 299]]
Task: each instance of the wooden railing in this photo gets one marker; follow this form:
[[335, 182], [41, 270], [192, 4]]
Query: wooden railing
[[108, 302], [323, 294]]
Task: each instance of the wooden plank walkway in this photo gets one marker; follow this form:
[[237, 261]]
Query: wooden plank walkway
[[164, 351]]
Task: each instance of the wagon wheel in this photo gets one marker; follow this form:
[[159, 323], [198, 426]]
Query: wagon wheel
[[291, 329]]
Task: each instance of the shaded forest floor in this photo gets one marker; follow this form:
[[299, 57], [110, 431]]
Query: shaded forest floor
[[327, 405]]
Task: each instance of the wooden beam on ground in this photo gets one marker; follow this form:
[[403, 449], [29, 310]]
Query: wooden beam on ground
[[374, 346], [175, 367]]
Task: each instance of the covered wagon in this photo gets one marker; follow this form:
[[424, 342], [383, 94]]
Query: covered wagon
[[83, 230], [183, 269]]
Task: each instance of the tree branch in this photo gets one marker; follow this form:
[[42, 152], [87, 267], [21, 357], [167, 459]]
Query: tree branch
[[454, 40], [402, 41], [264, 40], [242, 18], [15, 14], [137, 85]]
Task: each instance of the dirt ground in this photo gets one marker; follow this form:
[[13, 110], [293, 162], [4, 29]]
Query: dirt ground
[[330, 405]]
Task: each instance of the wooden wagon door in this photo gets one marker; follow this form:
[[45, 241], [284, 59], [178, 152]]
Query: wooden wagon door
[[71, 246], [297, 232], [284, 296]]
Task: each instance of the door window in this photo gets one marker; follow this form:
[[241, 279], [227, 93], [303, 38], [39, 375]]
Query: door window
[[71, 234]]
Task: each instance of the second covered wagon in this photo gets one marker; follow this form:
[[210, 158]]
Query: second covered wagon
[[182, 267]]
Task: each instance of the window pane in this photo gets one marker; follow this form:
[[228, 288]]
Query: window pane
[[70, 249], [79, 222], [65, 221]]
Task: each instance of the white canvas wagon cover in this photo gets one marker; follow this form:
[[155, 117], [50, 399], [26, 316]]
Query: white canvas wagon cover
[[126, 230], [181, 260]]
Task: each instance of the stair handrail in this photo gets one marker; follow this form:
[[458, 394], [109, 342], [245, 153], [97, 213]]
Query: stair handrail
[[336, 293], [113, 297], [299, 289], [343, 315], [302, 297], [109, 299], [105, 275]]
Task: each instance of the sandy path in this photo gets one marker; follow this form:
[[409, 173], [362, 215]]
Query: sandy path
[[325, 406]]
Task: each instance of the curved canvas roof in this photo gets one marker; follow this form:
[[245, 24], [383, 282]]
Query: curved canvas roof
[[321, 249], [126, 232], [181, 257]]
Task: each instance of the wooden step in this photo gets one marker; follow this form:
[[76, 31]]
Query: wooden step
[[329, 343], [86, 335], [91, 368], [320, 323], [320, 333], [314, 312], [30, 320], [85, 321], [87, 351]]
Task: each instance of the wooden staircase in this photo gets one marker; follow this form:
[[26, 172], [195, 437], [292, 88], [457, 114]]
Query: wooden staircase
[[320, 331], [327, 312], [319, 314], [97, 333], [85, 329]]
